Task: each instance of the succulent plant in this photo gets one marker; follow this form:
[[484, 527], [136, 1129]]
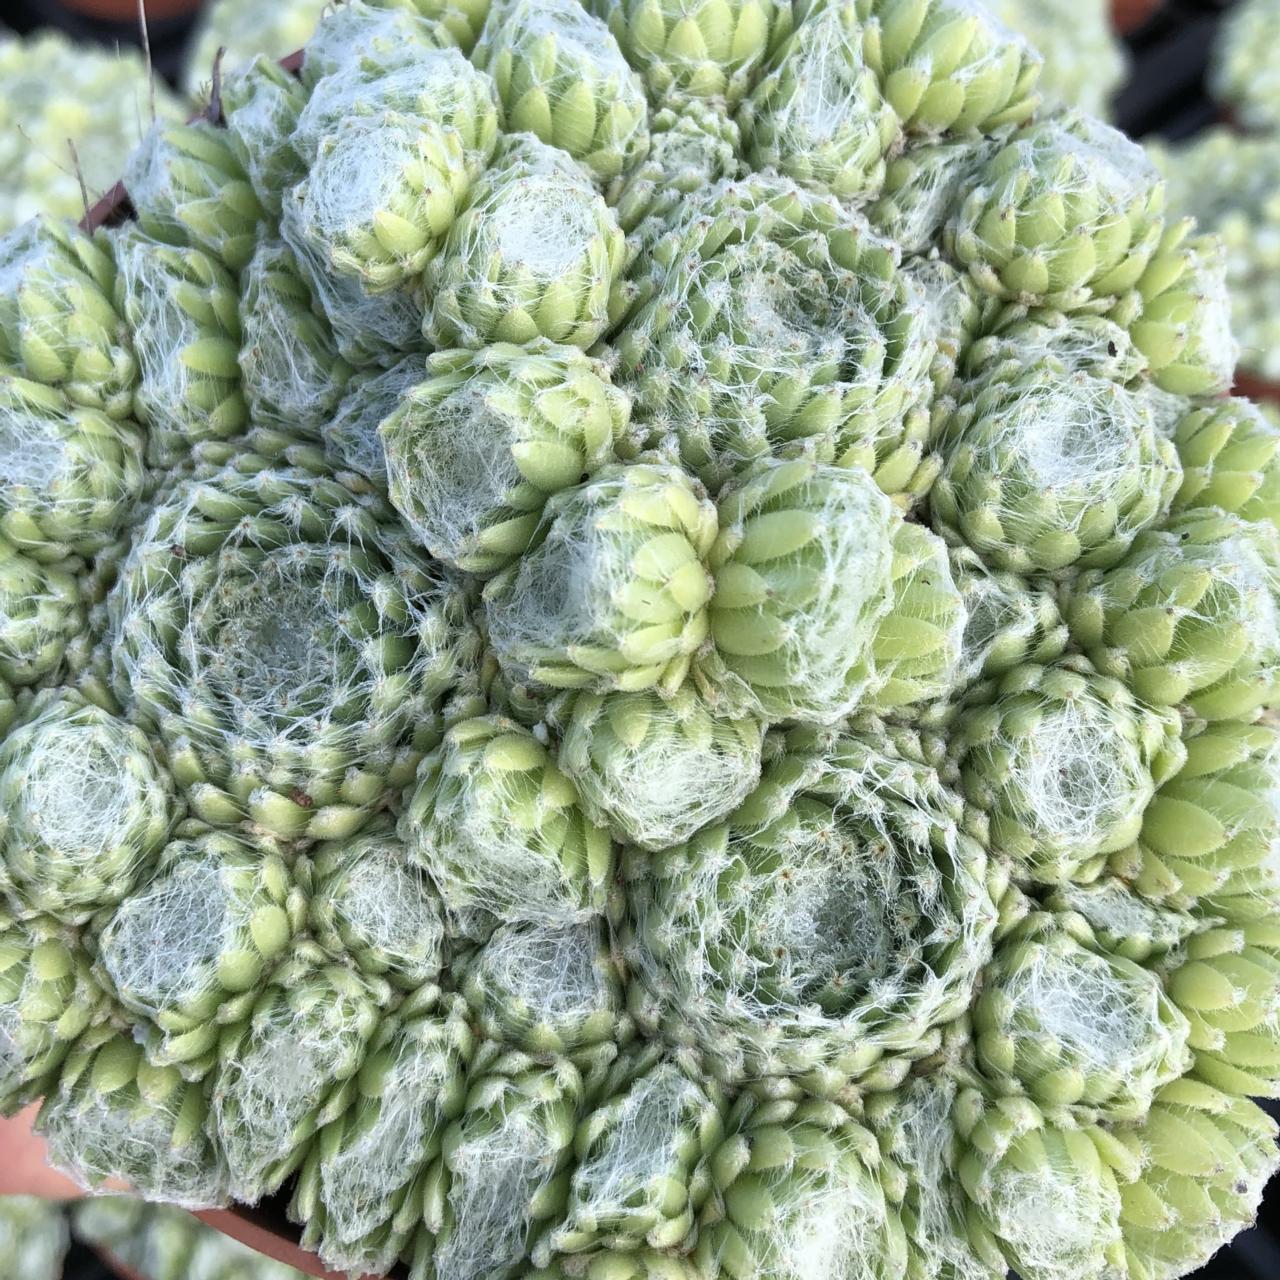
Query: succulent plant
[[235, 33], [260, 106], [377, 35], [351, 440], [1230, 456], [43, 618]]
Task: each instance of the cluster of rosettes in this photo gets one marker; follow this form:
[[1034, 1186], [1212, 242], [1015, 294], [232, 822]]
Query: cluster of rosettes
[[638, 644]]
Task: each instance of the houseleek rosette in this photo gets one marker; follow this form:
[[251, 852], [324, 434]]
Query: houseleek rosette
[[191, 949], [379, 198], [545, 989], [835, 921], [48, 999], [1229, 987], [640, 1173], [188, 189], [695, 48], [1210, 834], [947, 68], [803, 575], [498, 828], [1050, 470], [291, 372], [690, 147], [287, 642], [1008, 620], [58, 320], [351, 440], [1044, 1196], [1181, 315], [474, 451], [618, 1264], [1066, 215], [261, 104], [1074, 1028], [769, 320], [562, 77], [289, 1069], [363, 1187], [1064, 762], [535, 253], [1230, 457], [376, 36], [72, 476], [918, 645], [85, 807], [369, 906], [1109, 916], [116, 1117], [1207, 1157], [439, 86], [632, 756], [613, 590], [1191, 614], [1078, 341], [43, 620], [499, 1178], [798, 1192], [817, 114], [183, 312]]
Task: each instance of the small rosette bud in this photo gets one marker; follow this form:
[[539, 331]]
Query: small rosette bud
[[1064, 762], [190, 950], [42, 616], [613, 591], [351, 440], [562, 77], [474, 452], [376, 37], [536, 253], [499, 830], [1111, 917], [1230, 456], [261, 105], [85, 807], [58, 320]]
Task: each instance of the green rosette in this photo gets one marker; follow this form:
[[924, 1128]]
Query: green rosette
[[363, 1188], [43, 619], [1109, 916], [706, 49], [640, 1175], [561, 76], [1209, 835], [499, 830], [190, 951], [631, 756], [1064, 762], [770, 320], [72, 477], [1042, 1197], [288, 644], [1230, 456], [461, 20], [188, 188], [615, 1264], [546, 989], [85, 807], [474, 452], [613, 591], [115, 1117], [58, 320], [1066, 215], [48, 999], [182, 309], [804, 568], [376, 36], [817, 115], [316, 1017], [1076, 1029], [947, 68], [439, 86], [536, 253], [1190, 615], [1048, 471], [378, 200], [1207, 1157], [501, 1171], [261, 104], [1229, 987], [369, 906], [291, 372], [798, 1191], [351, 440], [826, 932]]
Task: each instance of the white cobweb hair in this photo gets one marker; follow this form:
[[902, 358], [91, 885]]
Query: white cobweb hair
[[350, 433]]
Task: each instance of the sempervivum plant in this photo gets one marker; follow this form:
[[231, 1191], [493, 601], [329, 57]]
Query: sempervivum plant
[[637, 642]]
